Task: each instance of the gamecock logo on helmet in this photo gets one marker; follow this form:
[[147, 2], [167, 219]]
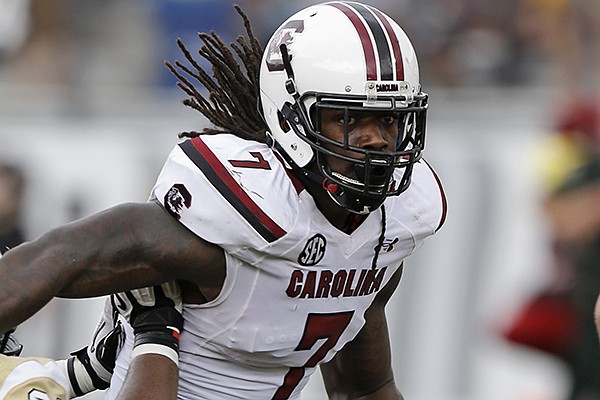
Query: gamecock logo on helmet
[[284, 36]]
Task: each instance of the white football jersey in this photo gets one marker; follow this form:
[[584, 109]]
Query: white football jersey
[[297, 288], [29, 378]]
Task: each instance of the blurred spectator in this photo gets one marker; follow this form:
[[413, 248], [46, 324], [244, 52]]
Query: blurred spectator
[[567, 34], [460, 42], [14, 26], [73, 45], [12, 184], [559, 319], [47, 44], [463, 42]]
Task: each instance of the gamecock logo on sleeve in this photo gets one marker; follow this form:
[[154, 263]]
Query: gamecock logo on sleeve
[[176, 199]]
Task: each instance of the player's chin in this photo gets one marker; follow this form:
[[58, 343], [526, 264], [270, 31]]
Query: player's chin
[[338, 166]]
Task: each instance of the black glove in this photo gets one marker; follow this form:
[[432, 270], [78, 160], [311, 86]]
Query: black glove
[[155, 316]]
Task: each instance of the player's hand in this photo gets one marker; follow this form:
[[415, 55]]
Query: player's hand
[[133, 303], [9, 346], [91, 367], [155, 316]]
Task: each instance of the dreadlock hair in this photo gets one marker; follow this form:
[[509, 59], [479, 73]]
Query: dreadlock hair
[[232, 89], [381, 238]]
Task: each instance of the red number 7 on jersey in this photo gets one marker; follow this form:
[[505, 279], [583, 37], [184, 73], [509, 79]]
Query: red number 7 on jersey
[[318, 326], [259, 163]]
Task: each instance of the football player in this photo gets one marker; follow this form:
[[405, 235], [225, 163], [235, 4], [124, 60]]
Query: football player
[[287, 225]]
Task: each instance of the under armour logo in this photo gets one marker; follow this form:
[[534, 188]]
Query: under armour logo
[[388, 244]]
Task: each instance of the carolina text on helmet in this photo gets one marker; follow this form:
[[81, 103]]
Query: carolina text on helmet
[[387, 87]]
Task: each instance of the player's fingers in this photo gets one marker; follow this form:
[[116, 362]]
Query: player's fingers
[[160, 298]]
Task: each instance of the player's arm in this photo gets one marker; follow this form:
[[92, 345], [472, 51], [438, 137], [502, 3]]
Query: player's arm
[[363, 368], [125, 247], [150, 376]]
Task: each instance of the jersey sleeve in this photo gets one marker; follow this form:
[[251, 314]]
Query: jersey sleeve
[[432, 185], [228, 191], [24, 378], [422, 207]]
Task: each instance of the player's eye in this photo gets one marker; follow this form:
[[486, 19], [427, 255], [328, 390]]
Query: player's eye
[[351, 119], [389, 119]]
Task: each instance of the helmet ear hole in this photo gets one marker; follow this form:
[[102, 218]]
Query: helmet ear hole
[[283, 124]]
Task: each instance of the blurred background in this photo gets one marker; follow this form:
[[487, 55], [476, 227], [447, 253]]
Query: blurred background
[[495, 306]]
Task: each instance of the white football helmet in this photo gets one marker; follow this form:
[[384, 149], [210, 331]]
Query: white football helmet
[[350, 56]]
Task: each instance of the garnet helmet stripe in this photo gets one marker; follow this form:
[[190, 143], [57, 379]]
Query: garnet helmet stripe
[[384, 36], [395, 44], [385, 56], [365, 39]]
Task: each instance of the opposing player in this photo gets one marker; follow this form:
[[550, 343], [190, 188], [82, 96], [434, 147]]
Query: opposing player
[[287, 227], [156, 320]]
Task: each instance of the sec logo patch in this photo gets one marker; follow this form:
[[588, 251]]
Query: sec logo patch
[[313, 251]]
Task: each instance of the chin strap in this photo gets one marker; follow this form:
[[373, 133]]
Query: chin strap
[[330, 187], [290, 84], [300, 172], [290, 114]]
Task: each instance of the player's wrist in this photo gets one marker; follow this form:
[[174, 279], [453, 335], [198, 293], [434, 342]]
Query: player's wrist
[[91, 367], [163, 341], [82, 377], [157, 332], [158, 349]]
